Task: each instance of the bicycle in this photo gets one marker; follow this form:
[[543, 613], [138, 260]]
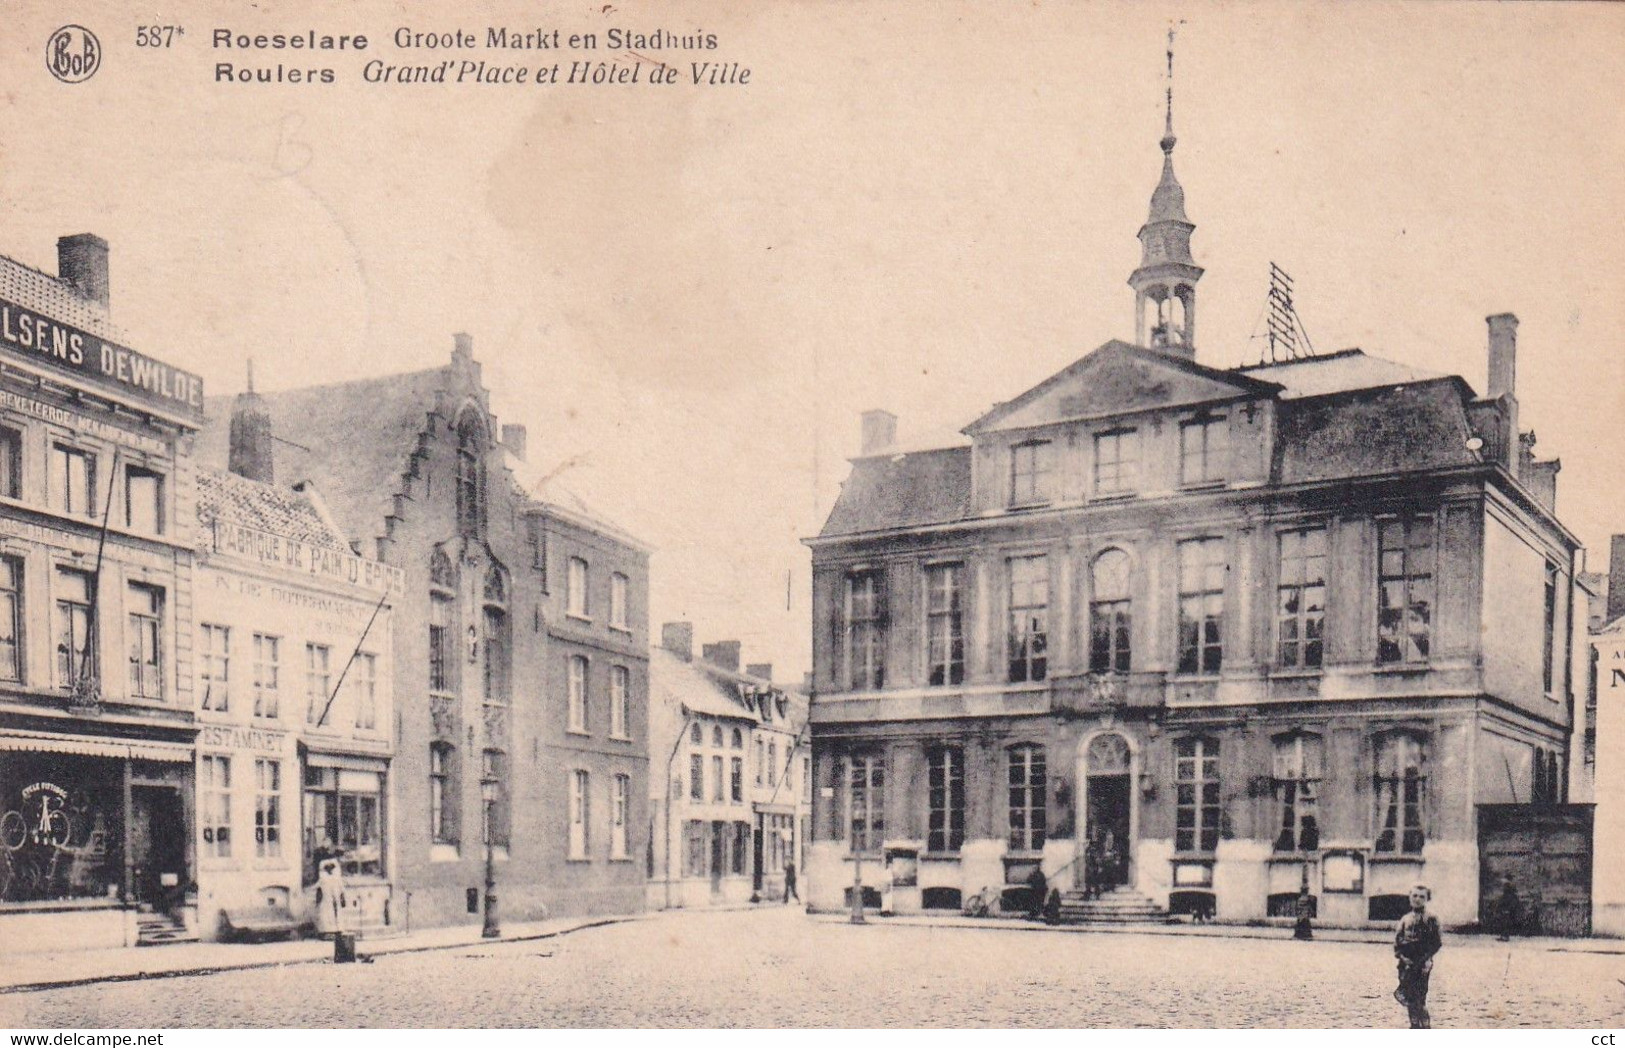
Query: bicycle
[[985, 903], [53, 828]]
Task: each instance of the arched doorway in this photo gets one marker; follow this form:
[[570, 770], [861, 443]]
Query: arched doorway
[[1108, 808]]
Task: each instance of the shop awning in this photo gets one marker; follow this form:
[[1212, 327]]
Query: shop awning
[[17, 740], [347, 761]]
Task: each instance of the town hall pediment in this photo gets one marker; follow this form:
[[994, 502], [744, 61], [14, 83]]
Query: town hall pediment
[[1117, 379]]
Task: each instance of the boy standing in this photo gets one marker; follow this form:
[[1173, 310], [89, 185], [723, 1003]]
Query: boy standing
[[1416, 940]]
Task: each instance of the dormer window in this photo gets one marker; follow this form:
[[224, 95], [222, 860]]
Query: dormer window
[[1030, 468], [1204, 450]]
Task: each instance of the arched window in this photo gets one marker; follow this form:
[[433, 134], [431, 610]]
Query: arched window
[[470, 474], [1110, 618], [1400, 788], [442, 612], [1299, 760], [496, 588], [716, 736], [738, 739], [494, 644]]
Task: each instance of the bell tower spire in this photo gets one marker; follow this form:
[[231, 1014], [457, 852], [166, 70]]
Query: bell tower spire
[[1167, 276]]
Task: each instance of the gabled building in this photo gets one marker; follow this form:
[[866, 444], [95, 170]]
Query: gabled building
[[728, 810], [418, 476], [1241, 629]]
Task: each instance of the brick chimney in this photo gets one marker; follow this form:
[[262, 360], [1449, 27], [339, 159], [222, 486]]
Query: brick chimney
[[1616, 578], [760, 670], [879, 431], [513, 438], [724, 653], [250, 454], [678, 638], [1503, 354], [81, 260]]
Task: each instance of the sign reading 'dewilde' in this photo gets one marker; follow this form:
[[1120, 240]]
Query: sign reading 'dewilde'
[[137, 376], [237, 540]]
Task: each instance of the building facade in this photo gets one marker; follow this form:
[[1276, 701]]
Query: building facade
[[96, 535], [295, 712], [1204, 635], [728, 812], [479, 774]]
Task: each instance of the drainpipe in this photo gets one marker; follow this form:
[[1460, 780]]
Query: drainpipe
[[675, 746]]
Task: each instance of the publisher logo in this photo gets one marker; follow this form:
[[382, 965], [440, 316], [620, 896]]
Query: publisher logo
[[73, 54]]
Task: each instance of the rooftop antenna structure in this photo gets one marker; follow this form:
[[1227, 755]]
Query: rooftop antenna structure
[[1285, 336]]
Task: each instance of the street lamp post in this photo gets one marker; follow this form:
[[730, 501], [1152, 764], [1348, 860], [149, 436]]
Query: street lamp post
[[857, 883], [488, 793], [1304, 929]]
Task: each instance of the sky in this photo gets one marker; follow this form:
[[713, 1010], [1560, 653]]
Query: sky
[[689, 293]]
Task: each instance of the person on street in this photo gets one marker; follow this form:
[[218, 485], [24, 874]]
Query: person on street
[[790, 881], [1416, 940], [1037, 893]]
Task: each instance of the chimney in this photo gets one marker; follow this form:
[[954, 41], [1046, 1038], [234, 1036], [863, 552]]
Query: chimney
[[81, 260], [879, 431], [1616, 578], [1503, 355], [462, 347], [513, 438], [761, 671], [678, 638], [724, 653], [250, 454]]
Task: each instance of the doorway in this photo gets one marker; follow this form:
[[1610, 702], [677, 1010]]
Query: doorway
[[1108, 810], [158, 846]]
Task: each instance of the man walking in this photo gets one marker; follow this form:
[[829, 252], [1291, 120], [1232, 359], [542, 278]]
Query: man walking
[[1416, 940], [790, 881]]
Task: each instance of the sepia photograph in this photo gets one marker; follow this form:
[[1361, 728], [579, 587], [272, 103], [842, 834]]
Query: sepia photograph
[[703, 516]]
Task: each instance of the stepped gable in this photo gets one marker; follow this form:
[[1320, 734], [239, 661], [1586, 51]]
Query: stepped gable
[[280, 511], [901, 491], [354, 440]]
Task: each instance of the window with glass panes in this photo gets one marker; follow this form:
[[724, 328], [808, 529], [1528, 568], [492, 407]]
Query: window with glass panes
[[214, 666], [1027, 787], [578, 693], [75, 631], [267, 809], [1196, 795], [73, 481], [575, 588], [214, 812], [944, 624], [318, 681], [144, 633], [696, 777], [1300, 605], [946, 798], [578, 814], [617, 600], [1030, 472], [1204, 450], [1296, 780], [620, 792], [364, 674], [1029, 617], [620, 701], [1400, 790], [11, 463], [440, 645], [718, 783], [866, 801], [736, 780], [1550, 632], [1117, 462], [470, 476], [267, 675], [1405, 588], [865, 631], [439, 773], [1201, 605], [11, 619], [1110, 619], [143, 500]]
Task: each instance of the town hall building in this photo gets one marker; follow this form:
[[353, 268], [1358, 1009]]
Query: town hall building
[[1196, 636]]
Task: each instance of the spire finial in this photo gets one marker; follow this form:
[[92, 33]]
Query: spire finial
[[251, 374], [1168, 139]]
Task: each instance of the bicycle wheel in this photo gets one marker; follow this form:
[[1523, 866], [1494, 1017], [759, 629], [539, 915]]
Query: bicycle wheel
[[13, 831]]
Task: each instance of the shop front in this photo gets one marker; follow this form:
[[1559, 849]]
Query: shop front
[[91, 829], [345, 817]]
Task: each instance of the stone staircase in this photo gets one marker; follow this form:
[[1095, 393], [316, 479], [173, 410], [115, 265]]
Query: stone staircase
[[160, 929], [1120, 905]]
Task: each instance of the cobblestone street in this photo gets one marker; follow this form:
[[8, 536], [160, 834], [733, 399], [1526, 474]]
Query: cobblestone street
[[774, 968]]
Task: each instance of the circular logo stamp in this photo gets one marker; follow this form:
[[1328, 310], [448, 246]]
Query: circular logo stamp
[[73, 54]]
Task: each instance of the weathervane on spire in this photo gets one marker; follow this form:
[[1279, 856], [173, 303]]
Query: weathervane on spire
[[1168, 139]]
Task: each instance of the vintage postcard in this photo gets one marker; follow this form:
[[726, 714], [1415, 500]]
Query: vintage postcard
[[810, 514]]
